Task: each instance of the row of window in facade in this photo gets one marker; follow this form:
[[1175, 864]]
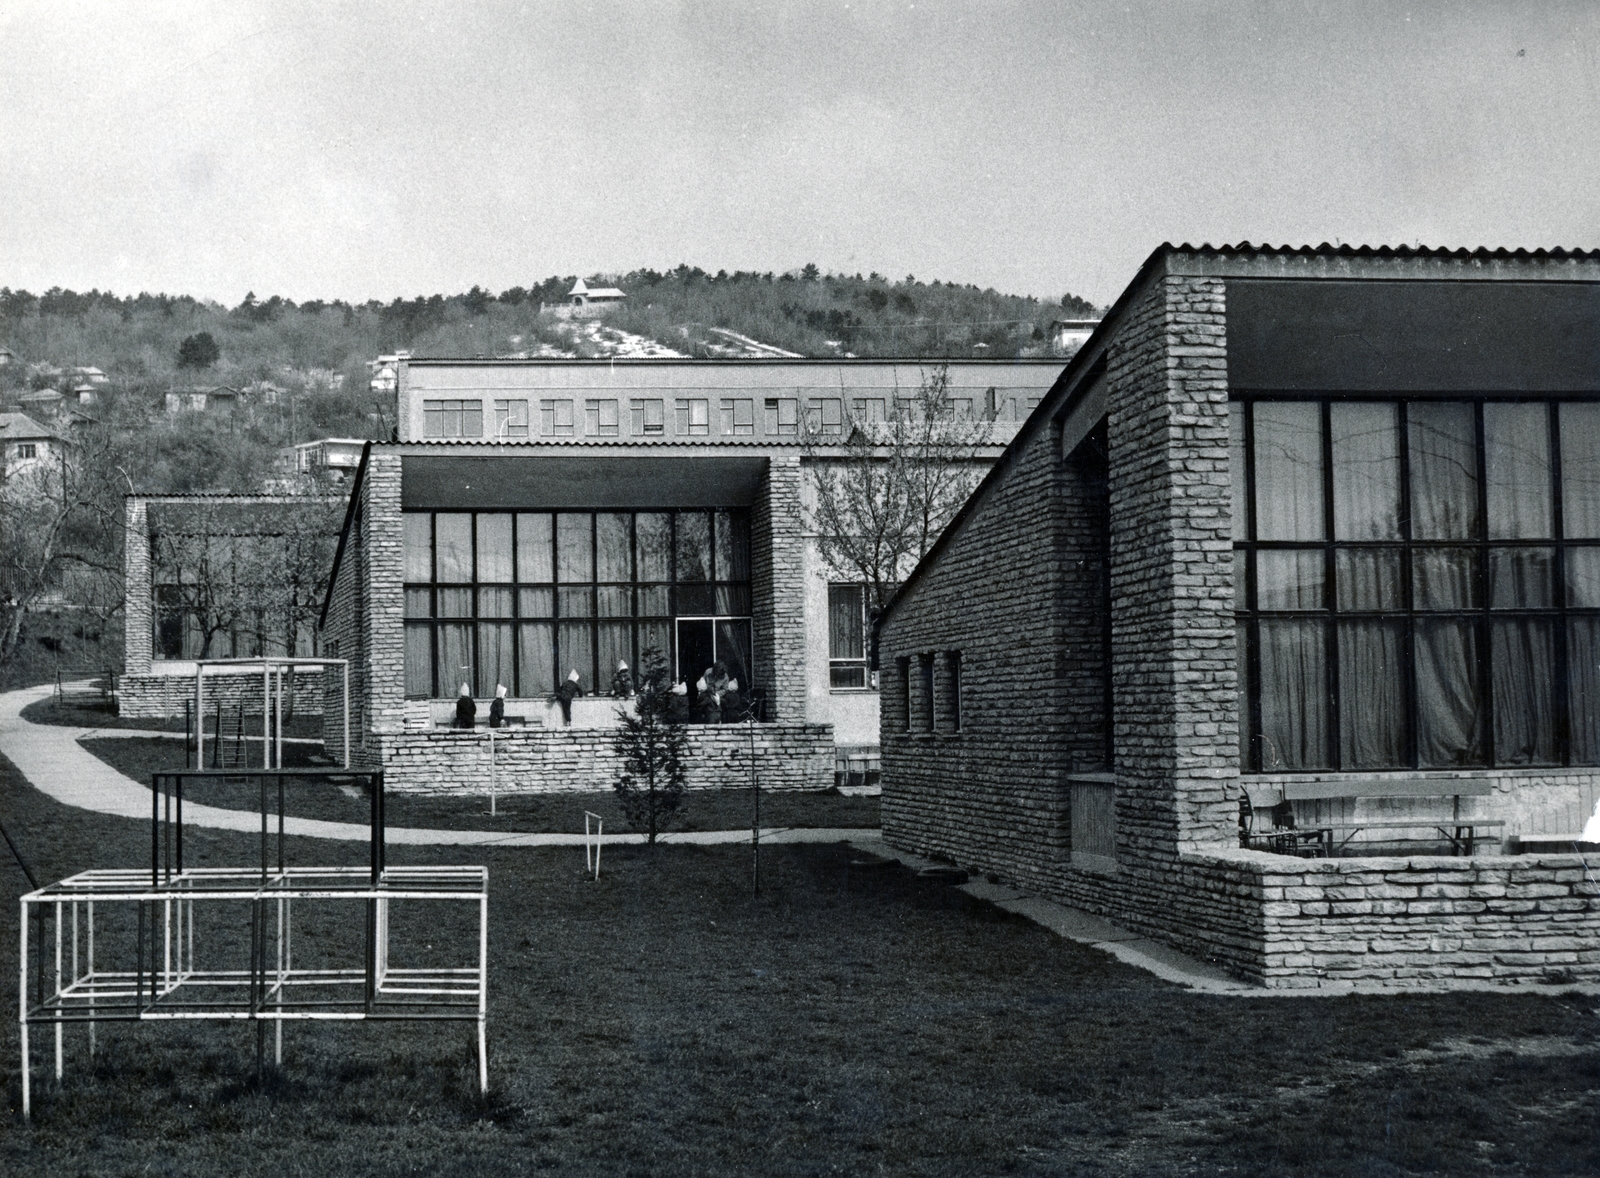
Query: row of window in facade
[[734, 417], [1418, 582], [928, 691]]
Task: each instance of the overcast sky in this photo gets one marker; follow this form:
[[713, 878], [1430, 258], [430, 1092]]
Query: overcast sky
[[368, 150]]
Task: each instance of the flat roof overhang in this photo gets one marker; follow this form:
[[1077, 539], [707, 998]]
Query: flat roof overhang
[[531, 482]]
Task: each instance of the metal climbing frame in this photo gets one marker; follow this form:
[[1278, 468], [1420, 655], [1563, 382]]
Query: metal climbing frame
[[273, 687], [220, 943]]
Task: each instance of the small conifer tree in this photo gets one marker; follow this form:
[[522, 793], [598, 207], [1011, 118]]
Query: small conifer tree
[[653, 750]]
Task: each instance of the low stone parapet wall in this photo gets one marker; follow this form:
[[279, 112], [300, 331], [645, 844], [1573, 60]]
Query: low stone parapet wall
[[152, 697], [537, 760], [1417, 920]]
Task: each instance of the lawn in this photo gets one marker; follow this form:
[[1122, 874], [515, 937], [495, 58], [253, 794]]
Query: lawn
[[665, 1021], [728, 809]]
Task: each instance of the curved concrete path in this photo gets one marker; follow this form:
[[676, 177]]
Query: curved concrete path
[[53, 761]]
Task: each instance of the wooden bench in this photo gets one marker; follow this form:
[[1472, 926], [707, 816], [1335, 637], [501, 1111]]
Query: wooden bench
[[1461, 833]]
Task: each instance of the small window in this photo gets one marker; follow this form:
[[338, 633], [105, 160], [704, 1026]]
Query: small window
[[825, 415], [738, 416], [452, 419], [647, 417], [783, 415], [867, 409], [847, 652], [555, 418], [952, 668], [510, 419], [26, 450], [961, 406], [694, 416], [925, 679], [600, 418], [902, 675]]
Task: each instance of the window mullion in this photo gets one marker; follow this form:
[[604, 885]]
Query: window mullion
[[1485, 631]]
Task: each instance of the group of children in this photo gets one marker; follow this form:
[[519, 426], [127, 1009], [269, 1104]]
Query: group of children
[[715, 699]]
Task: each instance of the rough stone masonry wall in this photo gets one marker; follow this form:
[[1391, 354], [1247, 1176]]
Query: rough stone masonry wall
[[777, 558], [138, 593], [145, 697], [1412, 921], [1016, 593], [787, 757], [343, 637]]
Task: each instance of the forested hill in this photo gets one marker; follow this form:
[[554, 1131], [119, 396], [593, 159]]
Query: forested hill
[[304, 370]]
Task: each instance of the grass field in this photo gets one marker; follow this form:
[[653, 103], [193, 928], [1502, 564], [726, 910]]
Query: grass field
[[664, 1021]]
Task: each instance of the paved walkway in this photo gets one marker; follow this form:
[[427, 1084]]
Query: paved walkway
[[53, 761]]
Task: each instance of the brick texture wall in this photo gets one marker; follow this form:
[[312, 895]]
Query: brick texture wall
[[144, 697]]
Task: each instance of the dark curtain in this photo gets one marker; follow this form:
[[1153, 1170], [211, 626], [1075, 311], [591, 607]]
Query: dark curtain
[[1366, 471], [1294, 694], [1449, 724], [733, 648], [1442, 442], [1523, 657], [1372, 702]]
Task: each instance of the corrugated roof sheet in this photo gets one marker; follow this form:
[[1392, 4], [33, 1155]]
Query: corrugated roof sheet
[[1329, 250]]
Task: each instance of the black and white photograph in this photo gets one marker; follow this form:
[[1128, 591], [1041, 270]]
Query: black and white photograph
[[687, 588]]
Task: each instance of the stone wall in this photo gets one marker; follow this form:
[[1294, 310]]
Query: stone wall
[[138, 593], [777, 560], [996, 796], [533, 760], [146, 697]]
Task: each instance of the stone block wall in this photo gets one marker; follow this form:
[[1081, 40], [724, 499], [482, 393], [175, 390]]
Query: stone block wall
[[147, 697], [138, 604], [1017, 592], [777, 568], [565, 760]]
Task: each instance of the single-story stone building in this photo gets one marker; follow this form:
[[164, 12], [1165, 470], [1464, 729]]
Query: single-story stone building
[[540, 519], [1307, 533]]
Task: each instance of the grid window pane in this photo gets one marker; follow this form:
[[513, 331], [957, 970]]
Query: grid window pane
[[419, 547], [536, 603], [613, 547], [454, 656], [511, 419], [615, 645], [536, 658], [655, 601], [453, 540], [1369, 579], [1516, 449], [1366, 471], [576, 603], [1522, 653], [657, 636], [1449, 697], [495, 663], [1372, 702], [574, 547], [733, 599], [1583, 578], [1294, 694], [1442, 442], [494, 603], [694, 546], [653, 543], [733, 546], [1521, 578], [494, 547], [454, 603], [534, 540], [845, 622], [1290, 580], [614, 601], [577, 653], [419, 661], [1580, 470], [1288, 453], [419, 603], [1445, 578]]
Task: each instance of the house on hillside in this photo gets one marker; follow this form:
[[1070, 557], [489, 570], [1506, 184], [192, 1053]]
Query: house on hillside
[[7, 357], [202, 399], [1068, 335], [540, 519], [1281, 609], [25, 445], [334, 459]]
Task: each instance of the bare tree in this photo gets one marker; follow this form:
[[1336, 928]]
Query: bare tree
[[257, 570], [883, 491], [60, 535]]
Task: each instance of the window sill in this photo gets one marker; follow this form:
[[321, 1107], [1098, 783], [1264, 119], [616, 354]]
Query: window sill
[[854, 691]]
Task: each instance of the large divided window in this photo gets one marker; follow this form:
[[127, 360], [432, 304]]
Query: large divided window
[[524, 598], [1418, 582]]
